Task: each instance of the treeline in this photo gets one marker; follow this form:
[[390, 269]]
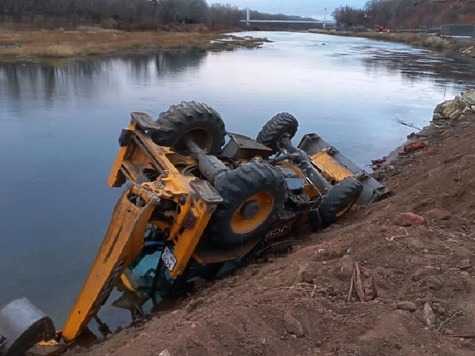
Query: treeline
[[127, 14], [139, 12], [407, 13]]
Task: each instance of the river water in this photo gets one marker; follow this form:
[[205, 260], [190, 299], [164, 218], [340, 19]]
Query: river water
[[59, 125]]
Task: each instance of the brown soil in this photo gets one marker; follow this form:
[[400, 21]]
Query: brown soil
[[413, 287]]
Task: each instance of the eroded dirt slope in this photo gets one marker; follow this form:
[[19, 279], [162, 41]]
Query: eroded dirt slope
[[377, 283]]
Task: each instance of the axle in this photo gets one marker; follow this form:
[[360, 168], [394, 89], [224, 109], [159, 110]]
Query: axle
[[210, 166], [302, 161]]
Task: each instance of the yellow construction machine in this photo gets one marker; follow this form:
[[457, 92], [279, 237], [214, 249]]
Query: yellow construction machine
[[198, 202]]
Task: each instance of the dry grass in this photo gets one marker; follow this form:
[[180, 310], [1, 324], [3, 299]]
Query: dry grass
[[433, 42], [87, 41]]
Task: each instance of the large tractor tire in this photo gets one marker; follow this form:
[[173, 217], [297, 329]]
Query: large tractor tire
[[274, 129], [252, 194], [190, 120], [339, 199]]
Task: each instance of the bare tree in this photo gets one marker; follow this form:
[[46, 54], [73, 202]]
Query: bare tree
[[348, 17], [224, 15], [183, 11], [381, 11]]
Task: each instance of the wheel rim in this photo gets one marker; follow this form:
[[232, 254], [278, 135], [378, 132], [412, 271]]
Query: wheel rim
[[252, 212], [199, 136], [347, 207]]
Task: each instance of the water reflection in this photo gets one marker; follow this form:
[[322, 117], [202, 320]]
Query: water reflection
[[175, 62], [45, 82], [24, 82]]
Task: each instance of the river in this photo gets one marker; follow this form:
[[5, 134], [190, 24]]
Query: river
[[59, 125]]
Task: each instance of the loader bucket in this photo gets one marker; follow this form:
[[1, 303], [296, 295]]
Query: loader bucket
[[22, 325], [331, 161]]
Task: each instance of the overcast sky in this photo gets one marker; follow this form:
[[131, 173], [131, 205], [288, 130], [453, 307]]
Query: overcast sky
[[313, 8]]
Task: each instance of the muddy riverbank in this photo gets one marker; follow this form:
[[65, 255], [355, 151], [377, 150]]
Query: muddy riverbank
[[410, 258]]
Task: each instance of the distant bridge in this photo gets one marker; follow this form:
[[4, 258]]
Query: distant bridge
[[248, 20]]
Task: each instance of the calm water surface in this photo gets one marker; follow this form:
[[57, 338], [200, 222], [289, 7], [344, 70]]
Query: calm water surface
[[59, 126]]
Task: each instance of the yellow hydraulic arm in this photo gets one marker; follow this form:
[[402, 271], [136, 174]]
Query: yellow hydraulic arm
[[122, 243], [133, 213]]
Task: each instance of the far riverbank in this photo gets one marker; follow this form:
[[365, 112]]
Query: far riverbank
[[36, 45], [430, 41], [20, 44]]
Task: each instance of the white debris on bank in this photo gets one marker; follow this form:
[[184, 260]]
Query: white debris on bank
[[455, 109]]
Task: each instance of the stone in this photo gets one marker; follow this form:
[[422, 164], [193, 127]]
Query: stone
[[406, 305], [464, 264], [436, 116], [469, 96], [467, 111], [433, 282], [193, 304], [439, 108], [345, 268], [455, 114], [423, 272], [307, 272], [378, 161], [450, 109], [466, 162], [408, 219], [292, 325], [428, 314], [437, 214], [413, 146]]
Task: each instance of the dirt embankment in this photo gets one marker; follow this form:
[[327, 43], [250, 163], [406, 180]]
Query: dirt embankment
[[20, 44], [395, 277]]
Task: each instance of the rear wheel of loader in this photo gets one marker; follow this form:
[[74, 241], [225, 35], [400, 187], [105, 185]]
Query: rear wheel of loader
[[252, 194], [190, 121], [339, 199], [274, 129]]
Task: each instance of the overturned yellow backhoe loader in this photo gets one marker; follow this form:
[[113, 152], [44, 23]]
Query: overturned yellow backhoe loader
[[198, 203]]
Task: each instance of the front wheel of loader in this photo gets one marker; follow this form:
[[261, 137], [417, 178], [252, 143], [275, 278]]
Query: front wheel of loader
[[274, 129], [22, 325], [252, 194], [339, 199], [193, 121]]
